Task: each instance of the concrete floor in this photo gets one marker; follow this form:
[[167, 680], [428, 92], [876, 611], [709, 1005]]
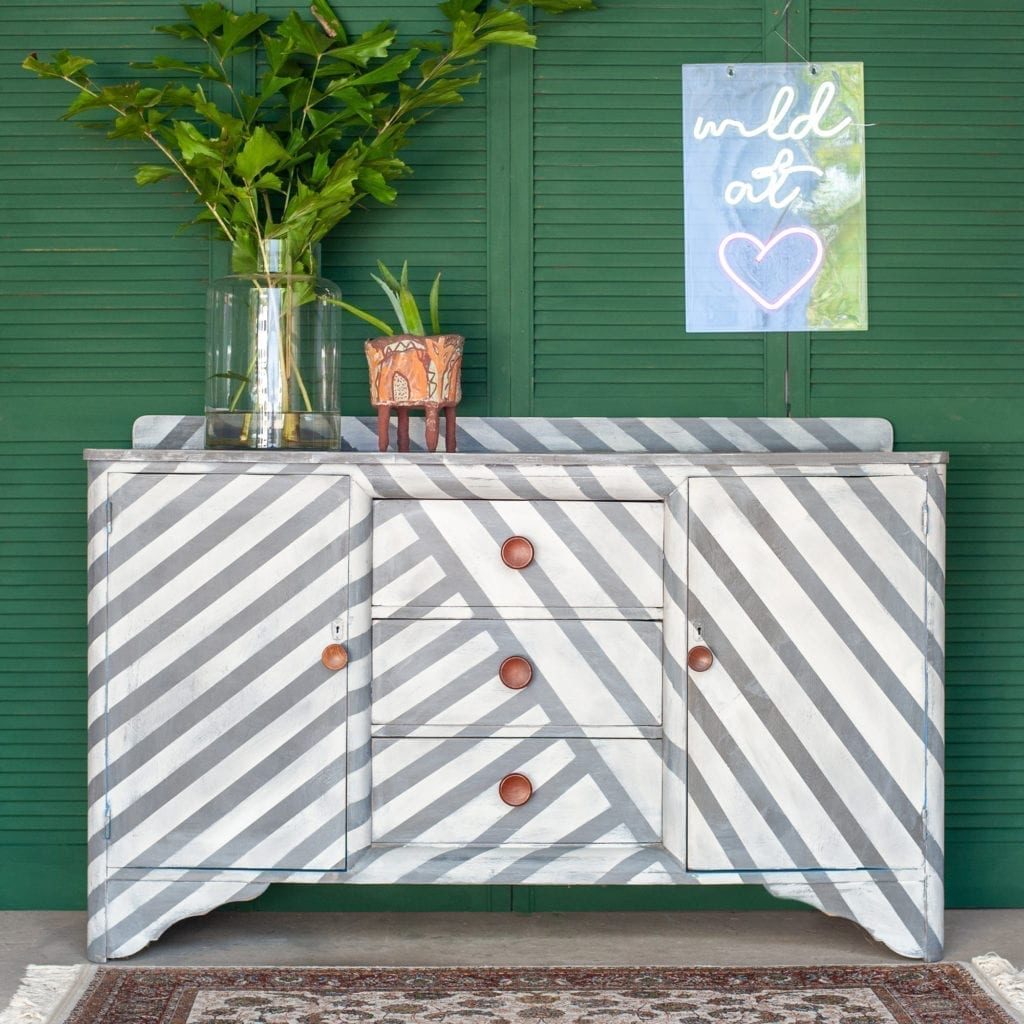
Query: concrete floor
[[747, 938]]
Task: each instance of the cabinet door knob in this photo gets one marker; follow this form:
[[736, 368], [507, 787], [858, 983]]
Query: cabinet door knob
[[335, 657], [515, 672], [517, 552], [700, 658], [515, 789]]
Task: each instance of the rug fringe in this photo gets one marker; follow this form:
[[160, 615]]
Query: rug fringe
[[46, 993], [1003, 978]]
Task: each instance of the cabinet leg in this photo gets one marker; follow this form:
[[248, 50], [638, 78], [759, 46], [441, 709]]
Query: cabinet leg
[[432, 413], [155, 905], [383, 427], [450, 435], [403, 430], [903, 914]]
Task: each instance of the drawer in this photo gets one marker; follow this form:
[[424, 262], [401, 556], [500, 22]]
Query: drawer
[[494, 672], [446, 555], [449, 791]]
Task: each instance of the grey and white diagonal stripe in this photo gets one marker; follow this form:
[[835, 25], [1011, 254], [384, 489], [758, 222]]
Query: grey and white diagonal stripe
[[590, 434]]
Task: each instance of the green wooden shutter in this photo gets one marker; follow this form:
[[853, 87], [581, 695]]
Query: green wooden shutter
[[101, 320], [608, 259], [552, 200], [944, 360]]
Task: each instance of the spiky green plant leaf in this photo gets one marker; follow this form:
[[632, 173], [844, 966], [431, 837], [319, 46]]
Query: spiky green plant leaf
[[379, 325], [392, 281], [412, 322], [394, 297], [435, 296]]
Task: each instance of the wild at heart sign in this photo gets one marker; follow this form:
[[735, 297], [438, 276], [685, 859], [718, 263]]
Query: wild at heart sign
[[773, 189]]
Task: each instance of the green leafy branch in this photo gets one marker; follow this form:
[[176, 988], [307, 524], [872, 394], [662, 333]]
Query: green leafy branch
[[322, 132]]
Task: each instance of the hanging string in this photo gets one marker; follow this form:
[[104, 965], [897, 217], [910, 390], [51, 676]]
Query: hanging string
[[772, 29], [776, 32]]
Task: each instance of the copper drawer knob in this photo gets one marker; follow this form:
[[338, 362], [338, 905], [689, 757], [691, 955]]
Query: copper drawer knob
[[335, 657], [515, 789], [515, 672], [517, 552], [700, 658]]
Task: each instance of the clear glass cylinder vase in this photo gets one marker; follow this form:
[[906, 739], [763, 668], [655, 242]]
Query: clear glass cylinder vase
[[273, 346]]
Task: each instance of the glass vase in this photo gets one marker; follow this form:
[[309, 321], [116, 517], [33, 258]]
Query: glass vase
[[273, 345]]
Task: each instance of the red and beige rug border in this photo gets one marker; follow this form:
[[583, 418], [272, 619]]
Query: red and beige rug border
[[988, 992]]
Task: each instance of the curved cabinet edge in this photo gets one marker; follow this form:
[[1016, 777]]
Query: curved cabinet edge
[[905, 916], [145, 910]]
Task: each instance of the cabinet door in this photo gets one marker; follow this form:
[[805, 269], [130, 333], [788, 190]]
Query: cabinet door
[[225, 732], [807, 734]]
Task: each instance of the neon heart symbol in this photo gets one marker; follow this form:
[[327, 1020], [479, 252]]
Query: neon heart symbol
[[763, 249]]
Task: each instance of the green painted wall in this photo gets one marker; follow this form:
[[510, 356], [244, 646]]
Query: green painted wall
[[551, 199]]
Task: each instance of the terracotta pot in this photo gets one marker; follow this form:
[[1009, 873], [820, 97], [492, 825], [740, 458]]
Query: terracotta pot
[[415, 371]]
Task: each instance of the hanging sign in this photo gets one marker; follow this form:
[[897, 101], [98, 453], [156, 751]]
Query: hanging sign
[[773, 189]]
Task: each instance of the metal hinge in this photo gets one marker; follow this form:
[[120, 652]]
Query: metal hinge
[[107, 830], [924, 518], [110, 516]]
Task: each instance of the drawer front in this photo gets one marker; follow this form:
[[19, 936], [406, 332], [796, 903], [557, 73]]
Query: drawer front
[[433, 555], [492, 672], [448, 791]]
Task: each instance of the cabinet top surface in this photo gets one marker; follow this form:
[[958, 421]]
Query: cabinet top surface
[[528, 441], [467, 459]]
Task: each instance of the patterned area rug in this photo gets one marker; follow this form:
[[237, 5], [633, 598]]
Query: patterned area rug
[[918, 994]]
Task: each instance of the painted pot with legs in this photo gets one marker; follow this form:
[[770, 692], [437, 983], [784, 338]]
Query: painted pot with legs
[[413, 371]]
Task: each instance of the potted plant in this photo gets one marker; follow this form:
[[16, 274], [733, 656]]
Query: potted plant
[[274, 170], [410, 369]]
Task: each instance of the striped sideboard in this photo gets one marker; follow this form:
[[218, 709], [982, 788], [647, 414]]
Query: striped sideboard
[[327, 668]]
